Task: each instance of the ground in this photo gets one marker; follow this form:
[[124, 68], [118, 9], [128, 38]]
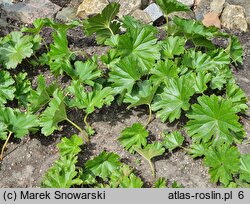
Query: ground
[[27, 160]]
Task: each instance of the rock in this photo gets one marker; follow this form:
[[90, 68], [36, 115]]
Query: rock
[[144, 4], [66, 14], [142, 16], [212, 19], [75, 3], [128, 6], [27, 12], [91, 7], [245, 4], [185, 15], [3, 23], [154, 11], [216, 6], [189, 3], [233, 17], [202, 7]]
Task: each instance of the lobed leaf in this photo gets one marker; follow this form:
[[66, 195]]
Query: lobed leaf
[[213, 120], [133, 136], [223, 162]]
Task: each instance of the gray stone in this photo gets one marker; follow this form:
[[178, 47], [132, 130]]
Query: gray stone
[[128, 6], [233, 17], [3, 23], [189, 3], [216, 6], [185, 15], [144, 3], [91, 7], [66, 14], [27, 12], [154, 11], [202, 7], [75, 3], [142, 16], [245, 4]]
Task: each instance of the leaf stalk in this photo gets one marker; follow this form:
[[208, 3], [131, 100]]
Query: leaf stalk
[[80, 129], [4, 146]]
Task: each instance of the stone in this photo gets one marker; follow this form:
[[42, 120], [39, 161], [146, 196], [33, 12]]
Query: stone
[[212, 19], [142, 16], [245, 4], [128, 6], [216, 6], [233, 17], [154, 11], [75, 3], [144, 4], [92, 7], [27, 12], [185, 15], [202, 7], [66, 15], [189, 3], [3, 23]]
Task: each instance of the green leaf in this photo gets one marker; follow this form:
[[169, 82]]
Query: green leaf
[[237, 96], [3, 131], [143, 94], [200, 80], [53, 114], [104, 164], [173, 46], [96, 98], [119, 174], [198, 150], [124, 75], [213, 120], [62, 174], [17, 122], [134, 135], [23, 88], [160, 183], [245, 168], [132, 181], [87, 71], [60, 55], [177, 185], [173, 140], [176, 96], [16, 48], [151, 150], [70, 146], [78, 95], [223, 162], [41, 96], [124, 178], [193, 29], [236, 50], [169, 6], [198, 61], [7, 89], [162, 71], [141, 44], [220, 77], [38, 25], [102, 24]]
